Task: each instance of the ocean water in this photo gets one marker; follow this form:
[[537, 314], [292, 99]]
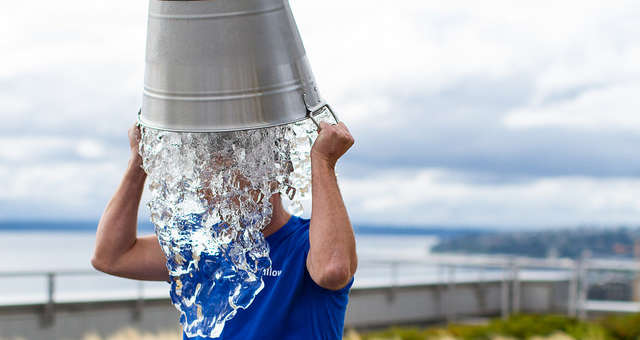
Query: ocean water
[[45, 251]]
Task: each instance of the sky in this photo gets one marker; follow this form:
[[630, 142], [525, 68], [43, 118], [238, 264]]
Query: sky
[[515, 115]]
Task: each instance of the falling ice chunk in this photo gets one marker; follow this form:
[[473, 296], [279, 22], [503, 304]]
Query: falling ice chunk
[[209, 204]]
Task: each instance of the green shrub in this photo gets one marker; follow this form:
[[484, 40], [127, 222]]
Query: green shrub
[[526, 326], [470, 332], [585, 331], [618, 327], [622, 327], [397, 333]]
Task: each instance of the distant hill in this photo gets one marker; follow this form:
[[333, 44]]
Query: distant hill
[[66, 226], [146, 226], [598, 242], [439, 231]]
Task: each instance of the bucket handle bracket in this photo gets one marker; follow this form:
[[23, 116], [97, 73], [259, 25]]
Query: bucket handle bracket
[[317, 112]]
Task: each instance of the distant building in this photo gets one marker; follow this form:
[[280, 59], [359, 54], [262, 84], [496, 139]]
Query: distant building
[[611, 291]]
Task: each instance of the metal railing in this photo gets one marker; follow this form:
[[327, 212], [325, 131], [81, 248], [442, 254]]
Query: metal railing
[[51, 278], [511, 269], [508, 271]]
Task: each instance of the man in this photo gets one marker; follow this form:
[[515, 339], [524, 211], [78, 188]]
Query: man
[[313, 261]]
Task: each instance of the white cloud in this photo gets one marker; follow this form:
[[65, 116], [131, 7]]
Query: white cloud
[[71, 66], [74, 33], [361, 51], [60, 190], [440, 197], [50, 177], [76, 67], [14, 104], [362, 54], [614, 107], [39, 149], [90, 149]]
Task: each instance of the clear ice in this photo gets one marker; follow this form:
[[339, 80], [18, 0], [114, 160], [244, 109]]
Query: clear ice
[[209, 204]]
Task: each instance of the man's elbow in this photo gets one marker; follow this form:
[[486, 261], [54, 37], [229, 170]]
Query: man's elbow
[[337, 276], [100, 264]]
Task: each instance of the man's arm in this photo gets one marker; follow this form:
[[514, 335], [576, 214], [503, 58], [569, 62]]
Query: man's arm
[[332, 258], [118, 250]]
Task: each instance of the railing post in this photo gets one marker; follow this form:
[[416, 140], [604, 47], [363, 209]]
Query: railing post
[[49, 308], [394, 274], [451, 293], [504, 292], [583, 284], [480, 291], [394, 281], [441, 292], [137, 313], [515, 271], [573, 290]]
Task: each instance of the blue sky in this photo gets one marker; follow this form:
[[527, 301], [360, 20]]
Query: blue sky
[[510, 114]]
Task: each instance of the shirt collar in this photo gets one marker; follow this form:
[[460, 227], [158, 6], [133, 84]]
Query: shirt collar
[[283, 232]]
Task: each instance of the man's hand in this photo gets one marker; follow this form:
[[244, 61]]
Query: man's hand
[[333, 141], [332, 258], [134, 141]]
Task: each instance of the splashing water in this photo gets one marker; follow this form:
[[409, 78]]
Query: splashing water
[[209, 204]]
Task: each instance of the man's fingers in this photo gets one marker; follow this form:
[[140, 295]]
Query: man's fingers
[[339, 128], [344, 126], [135, 128], [322, 126], [135, 136]]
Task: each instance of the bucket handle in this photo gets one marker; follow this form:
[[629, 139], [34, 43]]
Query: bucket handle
[[317, 111]]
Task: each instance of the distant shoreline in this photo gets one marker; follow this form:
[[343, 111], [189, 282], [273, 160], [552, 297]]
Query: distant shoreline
[[60, 226], [146, 226]]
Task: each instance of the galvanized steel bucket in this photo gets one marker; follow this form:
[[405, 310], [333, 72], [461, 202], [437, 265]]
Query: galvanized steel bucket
[[224, 65]]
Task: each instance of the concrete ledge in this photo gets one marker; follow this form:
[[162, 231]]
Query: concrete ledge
[[428, 303], [368, 307]]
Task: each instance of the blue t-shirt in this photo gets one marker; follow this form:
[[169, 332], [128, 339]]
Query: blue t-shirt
[[291, 305]]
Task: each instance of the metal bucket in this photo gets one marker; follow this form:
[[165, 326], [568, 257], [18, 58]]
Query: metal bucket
[[224, 65]]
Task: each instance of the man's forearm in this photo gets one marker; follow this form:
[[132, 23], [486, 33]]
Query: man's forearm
[[117, 227], [332, 255]]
